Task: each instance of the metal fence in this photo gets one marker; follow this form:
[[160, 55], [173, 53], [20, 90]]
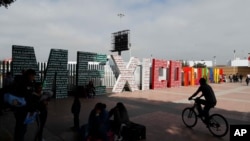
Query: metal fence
[[108, 80]]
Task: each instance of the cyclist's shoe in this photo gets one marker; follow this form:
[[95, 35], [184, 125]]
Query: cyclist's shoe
[[207, 125], [210, 124], [199, 115]]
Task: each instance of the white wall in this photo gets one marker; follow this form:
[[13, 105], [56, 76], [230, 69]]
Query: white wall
[[239, 63]]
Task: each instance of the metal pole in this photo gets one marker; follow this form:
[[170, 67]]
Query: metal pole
[[214, 60], [234, 61], [120, 15]]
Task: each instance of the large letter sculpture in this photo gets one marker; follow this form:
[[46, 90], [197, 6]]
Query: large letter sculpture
[[211, 75], [156, 83], [56, 74], [187, 73], [216, 75], [23, 58], [85, 73], [146, 73], [126, 73], [175, 74]]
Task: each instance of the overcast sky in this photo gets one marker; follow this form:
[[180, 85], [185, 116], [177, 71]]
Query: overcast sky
[[165, 29]]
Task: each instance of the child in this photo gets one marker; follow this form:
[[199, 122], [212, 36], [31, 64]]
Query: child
[[44, 98]]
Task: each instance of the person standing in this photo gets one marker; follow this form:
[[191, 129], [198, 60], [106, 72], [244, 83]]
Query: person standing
[[43, 99], [247, 80], [241, 77], [75, 110], [91, 89], [23, 87]]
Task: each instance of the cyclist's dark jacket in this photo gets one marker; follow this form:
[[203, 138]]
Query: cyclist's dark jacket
[[208, 93]]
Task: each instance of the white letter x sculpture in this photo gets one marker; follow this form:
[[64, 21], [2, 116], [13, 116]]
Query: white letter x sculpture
[[126, 73]]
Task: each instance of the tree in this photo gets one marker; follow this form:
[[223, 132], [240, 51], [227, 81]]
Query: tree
[[6, 3], [184, 63], [199, 65]]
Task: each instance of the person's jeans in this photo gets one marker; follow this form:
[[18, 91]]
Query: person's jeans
[[20, 127], [76, 120], [206, 109]]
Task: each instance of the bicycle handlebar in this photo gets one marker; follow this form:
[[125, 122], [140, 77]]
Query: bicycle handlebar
[[194, 98]]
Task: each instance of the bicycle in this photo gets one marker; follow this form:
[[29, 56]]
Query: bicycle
[[217, 125]]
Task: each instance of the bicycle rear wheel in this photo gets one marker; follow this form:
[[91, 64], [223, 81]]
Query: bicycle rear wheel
[[218, 125], [189, 117]]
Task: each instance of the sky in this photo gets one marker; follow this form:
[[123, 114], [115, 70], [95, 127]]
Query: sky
[[163, 29]]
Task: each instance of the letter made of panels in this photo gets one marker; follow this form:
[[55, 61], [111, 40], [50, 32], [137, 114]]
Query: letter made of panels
[[159, 74], [187, 76], [216, 75], [205, 74], [56, 74], [90, 67], [126, 73], [23, 58], [146, 73], [174, 74], [211, 75], [221, 75], [199, 74], [192, 77]]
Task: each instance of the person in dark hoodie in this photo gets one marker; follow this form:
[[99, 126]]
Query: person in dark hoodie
[[23, 87], [98, 123]]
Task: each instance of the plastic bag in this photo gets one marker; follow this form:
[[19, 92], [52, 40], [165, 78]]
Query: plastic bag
[[14, 100], [30, 118]]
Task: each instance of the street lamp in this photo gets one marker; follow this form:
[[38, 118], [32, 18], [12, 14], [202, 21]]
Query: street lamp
[[234, 54], [120, 15], [214, 60]]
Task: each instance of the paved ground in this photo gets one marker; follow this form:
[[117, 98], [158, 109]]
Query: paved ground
[[159, 110]]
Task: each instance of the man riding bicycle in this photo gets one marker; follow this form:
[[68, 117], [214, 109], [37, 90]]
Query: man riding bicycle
[[209, 101]]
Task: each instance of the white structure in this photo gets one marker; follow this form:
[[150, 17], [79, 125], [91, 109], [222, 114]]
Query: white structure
[[237, 62]]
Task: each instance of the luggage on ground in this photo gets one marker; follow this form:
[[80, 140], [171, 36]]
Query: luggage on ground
[[133, 132]]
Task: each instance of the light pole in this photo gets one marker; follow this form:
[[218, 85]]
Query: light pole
[[234, 62], [214, 61], [120, 15], [234, 54]]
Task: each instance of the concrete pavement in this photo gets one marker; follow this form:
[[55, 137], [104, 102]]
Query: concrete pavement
[[159, 110]]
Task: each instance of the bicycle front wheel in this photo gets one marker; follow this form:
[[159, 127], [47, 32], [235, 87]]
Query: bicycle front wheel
[[218, 125], [189, 117]]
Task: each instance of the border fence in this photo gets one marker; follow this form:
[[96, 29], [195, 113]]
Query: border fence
[[108, 80]]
